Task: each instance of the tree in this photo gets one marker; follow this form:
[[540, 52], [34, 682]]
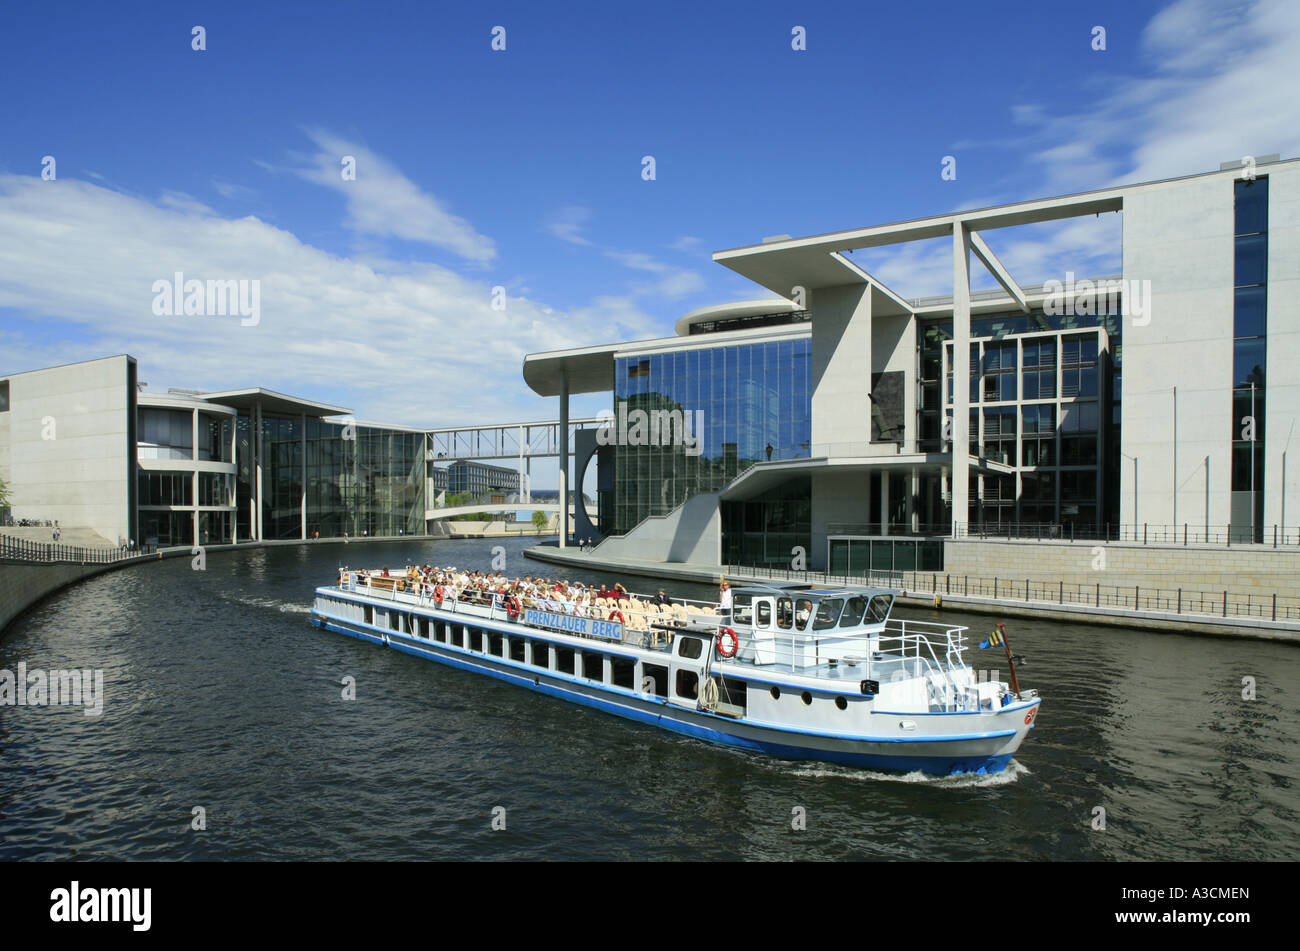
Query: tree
[[463, 498], [540, 521], [4, 494]]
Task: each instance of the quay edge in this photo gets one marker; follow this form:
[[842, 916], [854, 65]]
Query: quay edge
[[1204, 625]]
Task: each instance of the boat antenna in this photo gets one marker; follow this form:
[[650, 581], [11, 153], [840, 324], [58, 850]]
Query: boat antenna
[[1011, 663]]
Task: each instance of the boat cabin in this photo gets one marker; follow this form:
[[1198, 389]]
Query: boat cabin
[[808, 625]]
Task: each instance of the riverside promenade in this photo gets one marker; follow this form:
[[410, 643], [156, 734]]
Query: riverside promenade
[[1223, 613]]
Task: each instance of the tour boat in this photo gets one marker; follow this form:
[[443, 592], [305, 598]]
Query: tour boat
[[798, 671]]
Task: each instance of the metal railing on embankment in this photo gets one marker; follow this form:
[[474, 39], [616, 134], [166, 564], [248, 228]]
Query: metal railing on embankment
[[1222, 604], [24, 549], [1184, 534]]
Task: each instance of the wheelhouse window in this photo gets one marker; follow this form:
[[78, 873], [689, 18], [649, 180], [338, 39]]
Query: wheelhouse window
[[853, 611], [828, 614], [803, 609], [784, 613], [879, 608]]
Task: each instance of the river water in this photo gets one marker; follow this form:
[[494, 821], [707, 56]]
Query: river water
[[221, 697]]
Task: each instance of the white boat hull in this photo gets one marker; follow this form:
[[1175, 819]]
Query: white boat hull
[[933, 743]]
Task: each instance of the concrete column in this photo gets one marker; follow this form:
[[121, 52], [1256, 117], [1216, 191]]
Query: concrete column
[[564, 459], [960, 372], [884, 501], [304, 475], [914, 486], [252, 474], [232, 488], [194, 481], [257, 480]]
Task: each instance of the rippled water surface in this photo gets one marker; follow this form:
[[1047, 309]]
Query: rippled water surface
[[220, 695]]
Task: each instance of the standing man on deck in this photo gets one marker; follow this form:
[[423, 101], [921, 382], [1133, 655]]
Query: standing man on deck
[[724, 602]]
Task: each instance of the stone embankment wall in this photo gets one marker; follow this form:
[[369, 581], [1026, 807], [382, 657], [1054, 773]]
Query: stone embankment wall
[[22, 584], [1248, 569]]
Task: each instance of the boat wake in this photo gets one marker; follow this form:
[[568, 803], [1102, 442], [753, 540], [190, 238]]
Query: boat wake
[[1011, 774], [270, 604]]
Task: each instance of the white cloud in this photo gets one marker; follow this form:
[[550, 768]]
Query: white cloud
[[401, 342], [381, 201], [1219, 85], [679, 284], [232, 191], [568, 224]]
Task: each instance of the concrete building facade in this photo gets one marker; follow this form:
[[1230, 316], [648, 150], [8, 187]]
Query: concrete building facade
[[1158, 399]]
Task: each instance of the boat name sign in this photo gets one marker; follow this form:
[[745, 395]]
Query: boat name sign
[[582, 626]]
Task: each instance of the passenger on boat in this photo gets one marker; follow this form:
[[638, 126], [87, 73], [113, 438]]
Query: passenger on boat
[[724, 601]]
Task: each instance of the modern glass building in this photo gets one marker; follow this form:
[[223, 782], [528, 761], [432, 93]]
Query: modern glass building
[[847, 426], [185, 450], [186, 467], [743, 402]]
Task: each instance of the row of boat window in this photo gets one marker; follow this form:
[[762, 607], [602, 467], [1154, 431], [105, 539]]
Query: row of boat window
[[587, 664], [795, 613]]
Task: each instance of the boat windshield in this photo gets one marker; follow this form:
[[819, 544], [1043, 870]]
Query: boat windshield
[[878, 610], [853, 611], [828, 613]]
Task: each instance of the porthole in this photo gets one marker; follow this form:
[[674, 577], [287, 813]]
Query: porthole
[[841, 703], [776, 693], [806, 697]]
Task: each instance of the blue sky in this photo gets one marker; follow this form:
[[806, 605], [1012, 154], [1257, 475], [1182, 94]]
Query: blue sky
[[522, 168]]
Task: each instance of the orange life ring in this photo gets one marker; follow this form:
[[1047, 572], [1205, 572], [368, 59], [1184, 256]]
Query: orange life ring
[[512, 607], [726, 636], [437, 594], [621, 619]]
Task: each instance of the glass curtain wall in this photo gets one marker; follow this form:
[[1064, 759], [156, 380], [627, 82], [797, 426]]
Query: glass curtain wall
[[746, 403], [1249, 357], [765, 531], [1064, 417], [360, 480]]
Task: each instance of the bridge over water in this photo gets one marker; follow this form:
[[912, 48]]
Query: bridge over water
[[521, 441]]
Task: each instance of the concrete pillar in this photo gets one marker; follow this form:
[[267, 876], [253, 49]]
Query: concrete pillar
[[304, 475], [884, 501], [194, 482], [252, 474], [913, 488], [564, 459], [960, 372], [257, 480]]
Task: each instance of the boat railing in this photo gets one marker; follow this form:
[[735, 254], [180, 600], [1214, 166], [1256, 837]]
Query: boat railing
[[643, 622], [917, 639]]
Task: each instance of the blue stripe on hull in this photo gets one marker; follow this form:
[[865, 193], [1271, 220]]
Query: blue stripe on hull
[[937, 765]]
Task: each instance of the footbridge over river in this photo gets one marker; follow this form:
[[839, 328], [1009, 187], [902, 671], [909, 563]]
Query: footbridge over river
[[493, 508]]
